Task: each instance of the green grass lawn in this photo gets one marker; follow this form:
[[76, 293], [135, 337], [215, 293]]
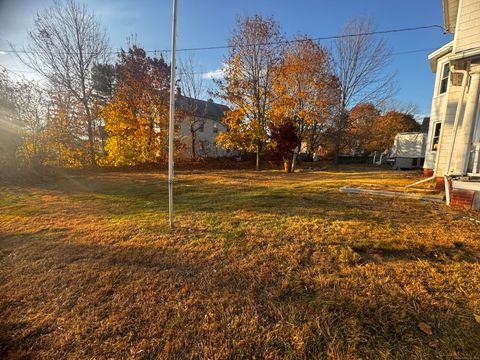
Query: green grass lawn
[[259, 265]]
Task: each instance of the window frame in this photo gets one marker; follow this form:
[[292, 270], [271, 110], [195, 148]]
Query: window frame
[[434, 145], [444, 79]]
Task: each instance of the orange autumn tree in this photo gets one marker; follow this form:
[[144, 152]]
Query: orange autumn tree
[[306, 90], [136, 118], [360, 134], [255, 49], [387, 126]]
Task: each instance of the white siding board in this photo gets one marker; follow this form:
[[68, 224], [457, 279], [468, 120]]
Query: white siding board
[[467, 34]]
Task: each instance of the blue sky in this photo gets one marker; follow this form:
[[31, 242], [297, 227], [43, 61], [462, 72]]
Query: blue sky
[[210, 23]]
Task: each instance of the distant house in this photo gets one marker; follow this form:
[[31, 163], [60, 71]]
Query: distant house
[[208, 123], [453, 143]]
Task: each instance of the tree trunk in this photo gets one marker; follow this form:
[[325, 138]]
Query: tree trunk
[[294, 159], [312, 139], [339, 134], [194, 152], [91, 140], [91, 143], [257, 164], [338, 139]]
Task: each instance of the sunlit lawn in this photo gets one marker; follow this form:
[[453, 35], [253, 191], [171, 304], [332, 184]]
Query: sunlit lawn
[[260, 264]]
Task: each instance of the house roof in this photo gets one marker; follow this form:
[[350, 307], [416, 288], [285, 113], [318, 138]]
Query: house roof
[[437, 54], [201, 108], [450, 12]]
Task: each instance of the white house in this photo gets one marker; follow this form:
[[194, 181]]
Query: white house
[[453, 143], [206, 119]]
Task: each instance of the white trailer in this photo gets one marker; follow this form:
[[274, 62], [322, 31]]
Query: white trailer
[[408, 150]]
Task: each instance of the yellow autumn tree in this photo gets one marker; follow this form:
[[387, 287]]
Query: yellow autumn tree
[[136, 118], [255, 49], [305, 89]]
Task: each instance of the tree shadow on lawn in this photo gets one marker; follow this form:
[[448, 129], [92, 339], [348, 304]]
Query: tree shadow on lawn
[[223, 201], [204, 196], [134, 197], [228, 207], [98, 300]]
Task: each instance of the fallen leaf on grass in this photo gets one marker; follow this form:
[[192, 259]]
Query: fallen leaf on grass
[[425, 328]]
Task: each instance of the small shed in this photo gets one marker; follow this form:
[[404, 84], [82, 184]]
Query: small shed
[[408, 150]]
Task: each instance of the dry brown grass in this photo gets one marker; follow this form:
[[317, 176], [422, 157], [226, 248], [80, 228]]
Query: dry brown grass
[[260, 265]]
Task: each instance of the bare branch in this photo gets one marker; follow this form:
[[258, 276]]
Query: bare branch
[[66, 42], [360, 64]]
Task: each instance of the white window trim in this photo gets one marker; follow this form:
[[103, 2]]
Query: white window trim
[[434, 125], [438, 85]]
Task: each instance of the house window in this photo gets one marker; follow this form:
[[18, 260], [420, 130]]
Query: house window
[[436, 136], [444, 79], [215, 129]]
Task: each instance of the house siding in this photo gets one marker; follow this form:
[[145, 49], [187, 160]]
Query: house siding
[[441, 105], [447, 135], [208, 115], [467, 33], [444, 108], [206, 145], [465, 191]]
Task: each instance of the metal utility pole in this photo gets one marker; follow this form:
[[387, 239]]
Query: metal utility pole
[[171, 122]]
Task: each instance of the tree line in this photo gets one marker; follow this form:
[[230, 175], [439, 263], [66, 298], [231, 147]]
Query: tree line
[[285, 96]]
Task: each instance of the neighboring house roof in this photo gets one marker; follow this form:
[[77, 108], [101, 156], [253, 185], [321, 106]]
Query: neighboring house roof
[[204, 109], [450, 12]]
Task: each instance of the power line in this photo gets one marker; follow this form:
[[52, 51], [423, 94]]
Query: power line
[[333, 37], [18, 70], [22, 78], [406, 52], [220, 47], [12, 71], [413, 51]]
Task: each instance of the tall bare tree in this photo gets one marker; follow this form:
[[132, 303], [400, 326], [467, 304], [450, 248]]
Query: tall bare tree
[[65, 44], [255, 50], [193, 87], [361, 60]]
